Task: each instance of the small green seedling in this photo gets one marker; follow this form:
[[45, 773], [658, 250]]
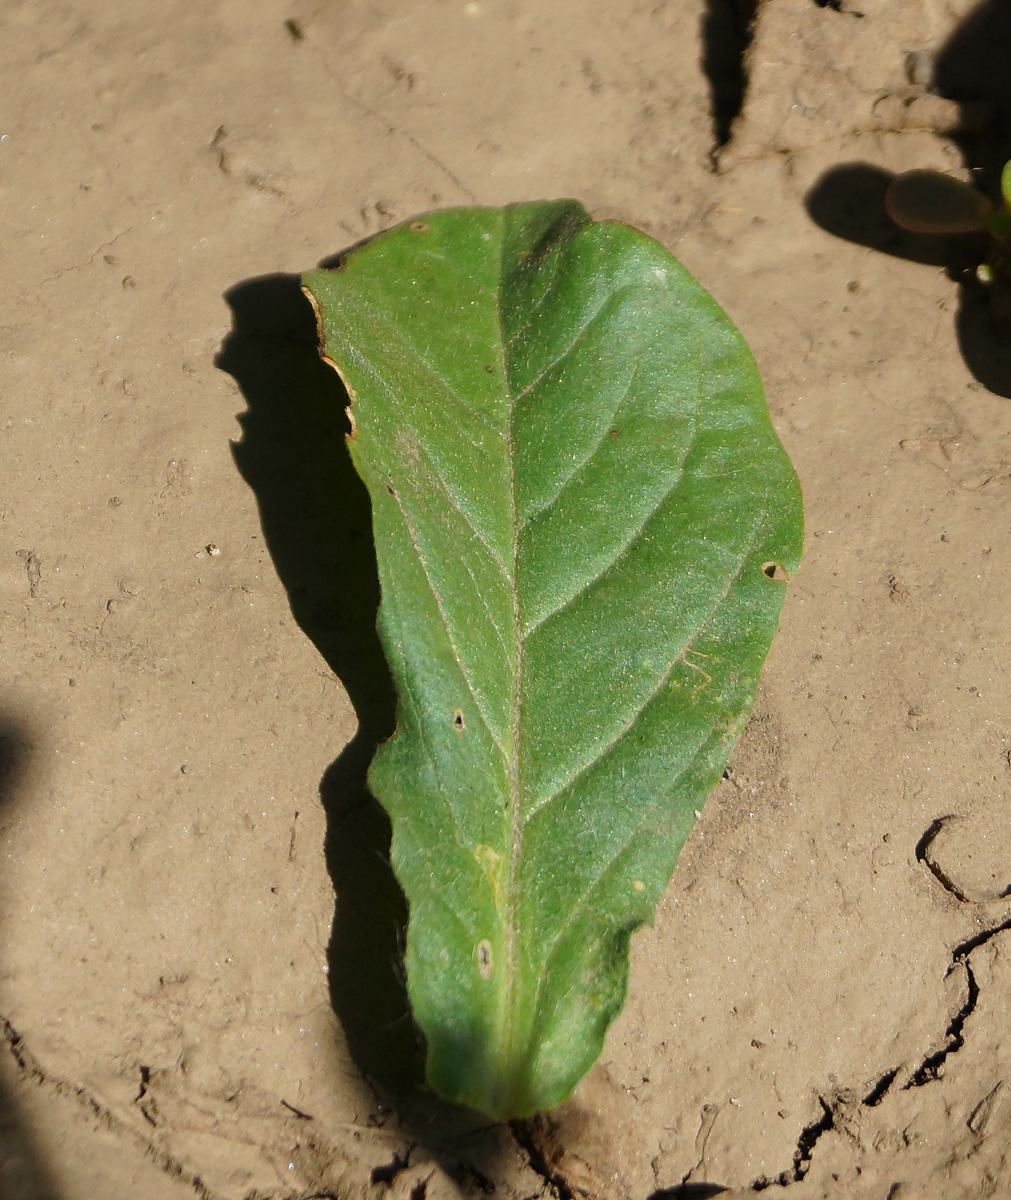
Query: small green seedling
[[929, 202], [584, 524]]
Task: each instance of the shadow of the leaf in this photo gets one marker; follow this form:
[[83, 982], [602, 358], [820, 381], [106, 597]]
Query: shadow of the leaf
[[316, 520], [21, 1160]]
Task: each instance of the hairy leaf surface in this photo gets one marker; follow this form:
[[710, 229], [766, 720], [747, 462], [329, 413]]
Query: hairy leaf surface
[[582, 519]]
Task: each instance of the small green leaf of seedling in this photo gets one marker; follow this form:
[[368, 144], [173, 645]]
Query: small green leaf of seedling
[[929, 202], [584, 524], [999, 224]]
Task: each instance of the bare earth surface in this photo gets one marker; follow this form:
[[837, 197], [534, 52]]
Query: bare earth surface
[[822, 1007]]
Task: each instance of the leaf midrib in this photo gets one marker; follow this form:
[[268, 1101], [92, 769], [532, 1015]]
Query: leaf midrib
[[513, 762], [518, 818]]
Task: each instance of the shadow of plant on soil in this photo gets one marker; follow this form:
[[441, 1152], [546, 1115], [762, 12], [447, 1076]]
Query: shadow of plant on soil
[[317, 524], [727, 27], [848, 200], [21, 1163]]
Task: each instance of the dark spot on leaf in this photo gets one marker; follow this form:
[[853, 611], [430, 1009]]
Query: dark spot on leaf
[[419, 227], [458, 722], [391, 489], [294, 30], [775, 570], [614, 433], [484, 958]]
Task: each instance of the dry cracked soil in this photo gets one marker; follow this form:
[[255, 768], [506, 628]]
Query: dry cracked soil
[[198, 933]]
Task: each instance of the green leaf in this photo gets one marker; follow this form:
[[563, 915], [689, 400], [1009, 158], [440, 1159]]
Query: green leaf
[[925, 201], [583, 523]]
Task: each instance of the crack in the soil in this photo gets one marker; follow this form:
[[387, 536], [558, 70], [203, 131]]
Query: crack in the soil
[[707, 1119], [964, 949], [878, 1091], [459, 1170], [923, 856], [468, 1176], [524, 1133], [29, 1067], [146, 1105], [88, 261], [929, 1069], [802, 1156]]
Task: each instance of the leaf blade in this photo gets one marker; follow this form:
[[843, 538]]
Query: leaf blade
[[571, 528]]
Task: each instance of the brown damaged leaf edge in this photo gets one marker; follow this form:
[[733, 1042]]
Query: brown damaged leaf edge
[[548, 593], [321, 335]]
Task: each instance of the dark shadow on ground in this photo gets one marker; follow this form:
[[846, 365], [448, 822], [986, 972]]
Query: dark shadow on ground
[[972, 69], [22, 1175], [848, 201], [317, 524], [727, 27]]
